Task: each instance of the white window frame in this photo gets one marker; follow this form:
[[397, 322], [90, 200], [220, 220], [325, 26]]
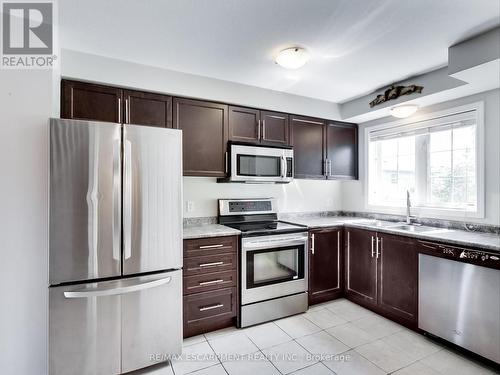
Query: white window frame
[[434, 212]]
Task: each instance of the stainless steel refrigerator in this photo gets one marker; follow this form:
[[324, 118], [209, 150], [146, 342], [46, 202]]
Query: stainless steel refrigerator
[[115, 252]]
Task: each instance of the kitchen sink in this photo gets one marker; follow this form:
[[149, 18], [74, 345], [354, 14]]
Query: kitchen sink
[[377, 223], [416, 228]]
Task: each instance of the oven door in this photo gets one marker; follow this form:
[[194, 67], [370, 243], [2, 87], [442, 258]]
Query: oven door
[[273, 266], [261, 164]]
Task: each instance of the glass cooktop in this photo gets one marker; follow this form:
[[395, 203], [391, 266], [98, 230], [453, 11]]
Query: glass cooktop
[[266, 227]]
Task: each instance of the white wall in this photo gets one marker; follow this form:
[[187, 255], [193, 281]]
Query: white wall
[[25, 98], [297, 196], [88, 67], [353, 191]]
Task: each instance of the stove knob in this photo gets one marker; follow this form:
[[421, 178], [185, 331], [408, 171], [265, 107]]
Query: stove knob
[[463, 254], [483, 258], [493, 257]]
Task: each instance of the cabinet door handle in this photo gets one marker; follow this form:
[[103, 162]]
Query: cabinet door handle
[[211, 264], [217, 306], [218, 281], [312, 244], [211, 246], [127, 111], [372, 248], [258, 129], [263, 129], [378, 252], [225, 162], [120, 110]]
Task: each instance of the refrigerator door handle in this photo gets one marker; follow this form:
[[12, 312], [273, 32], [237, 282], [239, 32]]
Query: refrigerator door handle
[[117, 206], [127, 200], [115, 291]]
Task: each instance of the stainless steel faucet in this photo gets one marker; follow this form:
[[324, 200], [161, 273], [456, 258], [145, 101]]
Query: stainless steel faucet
[[408, 205]]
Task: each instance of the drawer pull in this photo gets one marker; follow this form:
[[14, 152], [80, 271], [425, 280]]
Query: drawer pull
[[211, 282], [211, 264], [211, 246], [217, 306]]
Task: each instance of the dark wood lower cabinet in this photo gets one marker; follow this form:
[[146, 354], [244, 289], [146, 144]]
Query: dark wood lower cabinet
[[325, 265], [382, 274], [209, 311], [210, 284], [361, 266], [398, 276], [373, 269]]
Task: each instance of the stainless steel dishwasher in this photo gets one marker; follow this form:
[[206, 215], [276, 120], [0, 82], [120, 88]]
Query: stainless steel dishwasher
[[459, 297]]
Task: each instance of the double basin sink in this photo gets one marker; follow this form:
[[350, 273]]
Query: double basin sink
[[403, 227]]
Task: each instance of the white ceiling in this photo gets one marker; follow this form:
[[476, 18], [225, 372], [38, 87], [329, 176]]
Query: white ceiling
[[357, 46]]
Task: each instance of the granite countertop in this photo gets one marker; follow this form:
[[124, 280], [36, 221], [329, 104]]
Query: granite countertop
[[482, 240], [486, 241], [315, 222], [208, 230]]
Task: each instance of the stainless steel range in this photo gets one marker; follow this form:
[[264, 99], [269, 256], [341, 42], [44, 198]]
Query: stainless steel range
[[273, 260]]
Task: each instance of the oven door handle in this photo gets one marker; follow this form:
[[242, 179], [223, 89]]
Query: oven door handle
[[269, 244]]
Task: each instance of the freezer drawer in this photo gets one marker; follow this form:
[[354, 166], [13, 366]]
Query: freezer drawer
[[152, 322], [84, 333], [460, 302], [152, 199], [85, 200], [116, 326]]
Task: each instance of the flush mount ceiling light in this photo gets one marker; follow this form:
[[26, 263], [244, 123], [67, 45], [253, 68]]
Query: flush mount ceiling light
[[292, 58], [403, 111]]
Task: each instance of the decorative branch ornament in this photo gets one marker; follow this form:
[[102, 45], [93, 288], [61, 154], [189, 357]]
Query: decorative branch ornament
[[395, 92]]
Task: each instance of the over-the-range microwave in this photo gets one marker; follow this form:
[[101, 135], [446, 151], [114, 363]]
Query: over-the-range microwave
[[259, 164]]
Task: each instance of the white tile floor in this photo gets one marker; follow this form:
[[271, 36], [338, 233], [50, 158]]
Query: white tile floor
[[338, 337]]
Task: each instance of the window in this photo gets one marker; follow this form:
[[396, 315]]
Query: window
[[436, 159]]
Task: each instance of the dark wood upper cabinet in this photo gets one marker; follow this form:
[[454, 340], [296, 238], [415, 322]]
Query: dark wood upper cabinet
[[398, 276], [87, 101], [361, 266], [142, 108], [205, 130], [342, 150], [275, 128], [244, 124], [322, 150], [255, 126], [307, 137], [325, 265]]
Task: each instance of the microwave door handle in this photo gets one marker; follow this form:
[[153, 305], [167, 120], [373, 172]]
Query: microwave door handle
[[283, 167]]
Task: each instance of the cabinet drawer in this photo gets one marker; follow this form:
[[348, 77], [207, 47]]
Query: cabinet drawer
[[209, 246], [203, 306], [210, 263], [209, 281]]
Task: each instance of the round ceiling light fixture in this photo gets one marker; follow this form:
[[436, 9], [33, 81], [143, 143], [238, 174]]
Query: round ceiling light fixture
[[402, 111], [292, 58]]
